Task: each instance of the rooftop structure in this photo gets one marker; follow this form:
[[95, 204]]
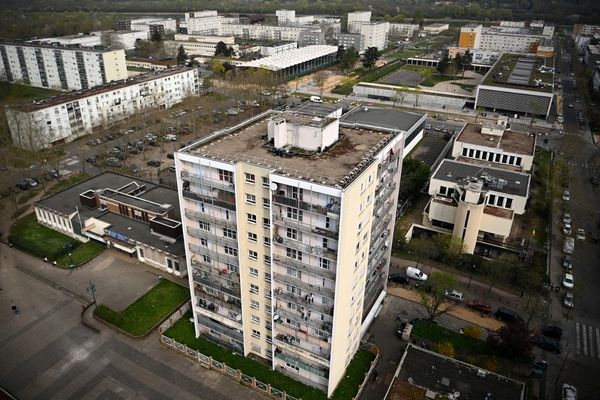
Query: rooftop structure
[[423, 374], [295, 62]]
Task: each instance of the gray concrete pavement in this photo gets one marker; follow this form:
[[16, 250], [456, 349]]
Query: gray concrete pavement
[[47, 353]]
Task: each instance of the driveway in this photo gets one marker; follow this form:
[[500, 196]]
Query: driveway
[[47, 353]]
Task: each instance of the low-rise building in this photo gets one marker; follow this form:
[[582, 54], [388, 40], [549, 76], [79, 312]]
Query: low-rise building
[[399, 31], [518, 84], [135, 216], [351, 40], [60, 67], [151, 64], [355, 18], [90, 39], [436, 29], [423, 374], [66, 117], [277, 48], [125, 40], [199, 45]]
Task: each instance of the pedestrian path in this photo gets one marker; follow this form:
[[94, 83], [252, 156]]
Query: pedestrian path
[[588, 340]]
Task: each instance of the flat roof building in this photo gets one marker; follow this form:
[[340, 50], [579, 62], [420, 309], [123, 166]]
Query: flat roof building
[[275, 209], [132, 215]]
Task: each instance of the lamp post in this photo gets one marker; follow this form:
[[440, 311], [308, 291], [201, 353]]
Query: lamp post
[[92, 288]]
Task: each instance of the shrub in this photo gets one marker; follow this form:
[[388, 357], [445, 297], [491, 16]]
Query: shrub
[[445, 348], [491, 364], [472, 332]]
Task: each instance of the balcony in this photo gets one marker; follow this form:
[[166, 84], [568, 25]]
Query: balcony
[[207, 182], [213, 255], [302, 227], [199, 216], [303, 285], [209, 301], [325, 343], [294, 360], [215, 283], [295, 244], [223, 201], [332, 208], [305, 300], [324, 326], [222, 329], [285, 261], [384, 194], [303, 347], [221, 273], [204, 234]]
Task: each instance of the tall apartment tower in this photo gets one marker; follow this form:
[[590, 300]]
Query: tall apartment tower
[[288, 224]]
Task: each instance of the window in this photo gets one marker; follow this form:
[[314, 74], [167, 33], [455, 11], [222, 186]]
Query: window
[[255, 319], [206, 259], [267, 260], [464, 151], [508, 203], [265, 182], [324, 263], [252, 255], [204, 225], [267, 277], [226, 176], [293, 253], [255, 334], [229, 233], [141, 252], [325, 243], [492, 199], [231, 251], [292, 213], [267, 241], [250, 198], [253, 288], [252, 237], [250, 178], [266, 203], [256, 348], [204, 242], [266, 223], [292, 233], [254, 304], [253, 272], [269, 339], [297, 193], [232, 268], [251, 218], [442, 190]]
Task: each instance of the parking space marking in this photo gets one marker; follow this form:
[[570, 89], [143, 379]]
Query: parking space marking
[[598, 342], [577, 336], [584, 337], [591, 335]]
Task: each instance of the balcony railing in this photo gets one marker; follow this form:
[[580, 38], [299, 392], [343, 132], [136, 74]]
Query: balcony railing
[[227, 202], [222, 273], [327, 209], [216, 284], [222, 329], [203, 251], [231, 303], [302, 227], [303, 285], [199, 216], [324, 326], [285, 261], [304, 300], [315, 339], [289, 342], [207, 182], [295, 244], [204, 234], [316, 370]]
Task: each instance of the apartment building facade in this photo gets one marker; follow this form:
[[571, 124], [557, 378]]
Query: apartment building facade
[[126, 40], [66, 117], [284, 262], [397, 31], [199, 45], [60, 67], [508, 38], [374, 34], [355, 18]]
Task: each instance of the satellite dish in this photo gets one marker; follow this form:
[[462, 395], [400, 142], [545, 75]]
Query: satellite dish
[[273, 186]]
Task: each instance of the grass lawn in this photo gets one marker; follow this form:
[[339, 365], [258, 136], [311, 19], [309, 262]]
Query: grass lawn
[[70, 181], [15, 93], [148, 310], [462, 344], [39, 240], [183, 332], [81, 254]]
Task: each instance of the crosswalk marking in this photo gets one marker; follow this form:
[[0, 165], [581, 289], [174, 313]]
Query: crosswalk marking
[[587, 340], [584, 337], [598, 342], [577, 336], [591, 335]]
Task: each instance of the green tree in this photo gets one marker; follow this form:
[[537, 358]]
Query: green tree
[[513, 340], [319, 79], [217, 67], [433, 300], [451, 248], [446, 349], [415, 175], [370, 57], [230, 52], [181, 56], [443, 64], [340, 52], [349, 59], [221, 49], [156, 36]]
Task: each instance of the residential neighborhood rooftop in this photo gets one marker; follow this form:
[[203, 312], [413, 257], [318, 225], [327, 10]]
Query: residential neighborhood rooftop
[[381, 118], [513, 142], [521, 72], [292, 57]]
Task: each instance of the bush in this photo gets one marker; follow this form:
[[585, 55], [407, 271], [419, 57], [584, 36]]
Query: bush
[[491, 364], [445, 348], [380, 72], [345, 88], [472, 332]]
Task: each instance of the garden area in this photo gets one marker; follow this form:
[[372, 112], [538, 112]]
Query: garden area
[[40, 241], [183, 332], [81, 254], [147, 311]]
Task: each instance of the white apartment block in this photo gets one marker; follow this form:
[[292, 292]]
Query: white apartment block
[[268, 32], [85, 40], [66, 117], [354, 18], [508, 38], [148, 25], [199, 14], [196, 48], [402, 30], [59, 67], [205, 25], [436, 29], [285, 17], [125, 40], [374, 34], [288, 256]]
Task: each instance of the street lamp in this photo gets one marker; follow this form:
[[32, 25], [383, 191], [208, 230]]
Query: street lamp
[[92, 288]]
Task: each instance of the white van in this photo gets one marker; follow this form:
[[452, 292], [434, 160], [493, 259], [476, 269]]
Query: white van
[[416, 274], [171, 137], [316, 99]]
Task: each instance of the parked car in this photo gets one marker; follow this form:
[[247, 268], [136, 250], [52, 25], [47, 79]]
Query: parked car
[[170, 156], [135, 168], [566, 230], [569, 300], [566, 195], [568, 392], [23, 185], [567, 262], [398, 277], [415, 273], [454, 295], [480, 306], [568, 281], [172, 168], [114, 162], [153, 163], [507, 315], [580, 234], [553, 331], [31, 182], [546, 343]]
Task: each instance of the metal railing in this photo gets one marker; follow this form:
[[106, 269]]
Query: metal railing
[[203, 251], [285, 261], [207, 182], [221, 273], [303, 205], [215, 284], [303, 285], [204, 234], [305, 301], [228, 204], [200, 216]]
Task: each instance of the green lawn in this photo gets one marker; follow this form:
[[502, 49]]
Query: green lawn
[[462, 344], [70, 181], [15, 93], [39, 240], [183, 332], [81, 254], [148, 310]]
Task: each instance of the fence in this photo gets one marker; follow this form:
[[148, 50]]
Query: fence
[[375, 350]]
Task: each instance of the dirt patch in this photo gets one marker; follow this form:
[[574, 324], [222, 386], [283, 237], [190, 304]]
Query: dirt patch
[[403, 77]]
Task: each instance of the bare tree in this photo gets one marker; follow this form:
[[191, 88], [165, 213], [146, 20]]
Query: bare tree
[[433, 300], [319, 79]]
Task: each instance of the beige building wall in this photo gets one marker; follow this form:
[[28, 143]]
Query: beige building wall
[[467, 223], [353, 261], [114, 65], [254, 253]]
